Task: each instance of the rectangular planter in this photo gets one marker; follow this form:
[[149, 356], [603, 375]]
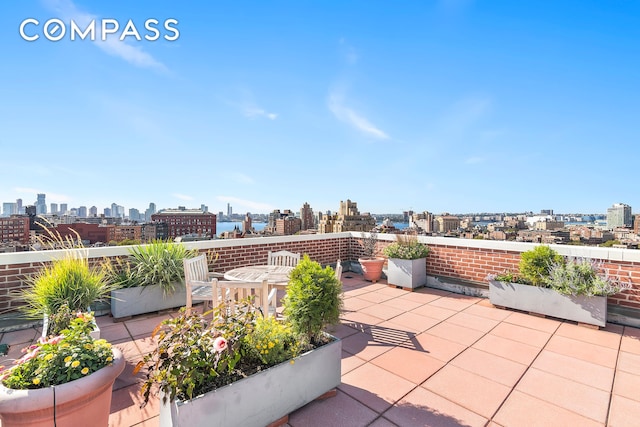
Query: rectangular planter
[[145, 299], [579, 308], [264, 397], [407, 273]]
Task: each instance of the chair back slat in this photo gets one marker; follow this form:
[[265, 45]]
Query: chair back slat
[[285, 258], [236, 291], [196, 280]]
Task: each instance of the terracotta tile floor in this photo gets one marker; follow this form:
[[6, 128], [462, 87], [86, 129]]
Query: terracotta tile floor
[[433, 358]]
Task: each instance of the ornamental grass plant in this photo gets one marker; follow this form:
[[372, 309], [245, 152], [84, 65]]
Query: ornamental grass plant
[[406, 246], [157, 263], [58, 359]]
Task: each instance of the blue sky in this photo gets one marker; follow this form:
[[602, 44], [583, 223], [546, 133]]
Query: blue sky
[[446, 106]]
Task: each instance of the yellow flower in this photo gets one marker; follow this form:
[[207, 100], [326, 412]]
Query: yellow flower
[[48, 356], [67, 359], [292, 361], [88, 346], [85, 371], [271, 345], [36, 381], [109, 359], [75, 364]]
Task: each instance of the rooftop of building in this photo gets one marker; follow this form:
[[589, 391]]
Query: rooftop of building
[[433, 357]]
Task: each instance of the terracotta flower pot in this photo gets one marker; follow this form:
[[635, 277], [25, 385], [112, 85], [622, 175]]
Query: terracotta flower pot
[[85, 401], [371, 268]]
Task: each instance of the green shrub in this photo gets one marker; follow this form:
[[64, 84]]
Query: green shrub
[[271, 341], [535, 265], [313, 300]]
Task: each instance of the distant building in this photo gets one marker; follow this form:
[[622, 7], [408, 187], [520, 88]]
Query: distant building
[[348, 218], [548, 225], [9, 209], [54, 209], [14, 229], [619, 215], [92, 233], [288, 226], [182, 222], [246, 223], [41, 204], [422, 220], [446, 223], [307, 217]]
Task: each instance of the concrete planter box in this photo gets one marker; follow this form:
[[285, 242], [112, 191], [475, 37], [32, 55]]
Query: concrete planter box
[[262, 398], [579, 308], [407, 273], [145, 299]]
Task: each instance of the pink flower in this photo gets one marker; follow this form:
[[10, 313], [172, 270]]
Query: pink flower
[[219, 344]]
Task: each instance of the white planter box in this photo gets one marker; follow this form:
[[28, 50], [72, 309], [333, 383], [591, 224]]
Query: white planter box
[[407, 273], [579, 308], [145, 299], [264, 397]]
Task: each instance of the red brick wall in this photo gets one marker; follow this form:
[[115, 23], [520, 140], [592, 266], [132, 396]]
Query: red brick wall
[[463, 262]]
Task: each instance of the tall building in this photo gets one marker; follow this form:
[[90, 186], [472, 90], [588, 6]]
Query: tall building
[[41, 204], [82, 211], [19, 206], [117, 210], [9, 209], [54, 209], [229, 210], [149, 211], [307, 217], [619, 215], [63, 208], [93, 211], [246, 224]]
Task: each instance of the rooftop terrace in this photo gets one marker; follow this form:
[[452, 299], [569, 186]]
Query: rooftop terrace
[[435, 358]]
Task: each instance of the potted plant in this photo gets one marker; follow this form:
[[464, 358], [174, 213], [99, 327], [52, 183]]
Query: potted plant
[[63, 380], [547, 283], [370, 263], [407, 262], [150, 279], [243, 368], [68, 280]]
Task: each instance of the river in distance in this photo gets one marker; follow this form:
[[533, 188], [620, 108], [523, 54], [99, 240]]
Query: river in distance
[[221, 227]]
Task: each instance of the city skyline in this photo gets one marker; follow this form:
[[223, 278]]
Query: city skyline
[[447, 106], [152, 207]]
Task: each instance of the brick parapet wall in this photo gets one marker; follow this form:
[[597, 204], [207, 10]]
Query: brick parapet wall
[[461, 259]]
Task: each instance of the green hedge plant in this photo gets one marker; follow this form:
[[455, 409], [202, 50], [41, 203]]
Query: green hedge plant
[[313, 300]]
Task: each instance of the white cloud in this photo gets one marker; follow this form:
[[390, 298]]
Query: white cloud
[[474, 160], [132, 54], [253, 111], [242, 178], [182, 197], [55, 197], [349, 52], [347, 115]]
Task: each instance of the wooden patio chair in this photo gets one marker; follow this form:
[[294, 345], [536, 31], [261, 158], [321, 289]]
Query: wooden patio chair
[[236, 291], [285, 258], [198, 281]]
